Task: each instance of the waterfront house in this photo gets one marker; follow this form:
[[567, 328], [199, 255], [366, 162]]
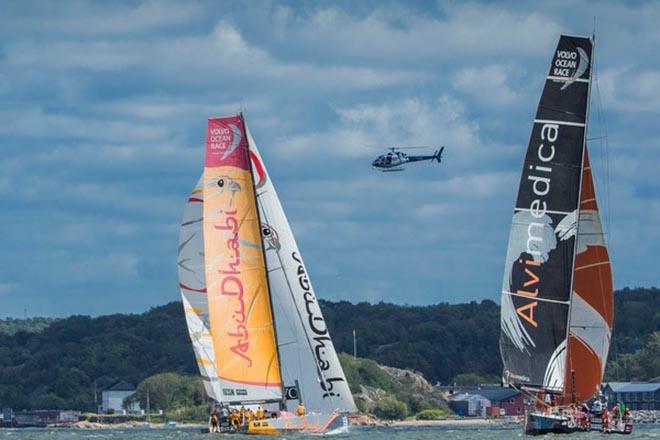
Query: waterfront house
[[635, 395], [469, 405], [112, 399], [500, 400]]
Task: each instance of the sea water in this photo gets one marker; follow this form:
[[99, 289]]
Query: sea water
[[366, 433]]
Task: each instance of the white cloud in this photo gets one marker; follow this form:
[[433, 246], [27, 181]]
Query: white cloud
[[397, 35], [488, 85], [631, 90], [104, 106]]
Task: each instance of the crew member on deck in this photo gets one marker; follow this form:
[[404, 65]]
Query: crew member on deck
[[300, 410], [214, 421]]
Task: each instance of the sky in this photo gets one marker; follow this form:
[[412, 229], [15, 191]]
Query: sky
[[103, 107]]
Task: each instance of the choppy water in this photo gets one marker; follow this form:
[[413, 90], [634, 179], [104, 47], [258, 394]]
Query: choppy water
[[380, 433]]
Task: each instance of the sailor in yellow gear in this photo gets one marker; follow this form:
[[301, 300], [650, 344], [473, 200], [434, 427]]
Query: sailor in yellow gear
[[300, 410], [260, 413], [235, 419], [242, 416]]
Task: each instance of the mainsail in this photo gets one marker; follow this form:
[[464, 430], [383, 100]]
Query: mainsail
[[310, 367], [240, 315], [551, 293]]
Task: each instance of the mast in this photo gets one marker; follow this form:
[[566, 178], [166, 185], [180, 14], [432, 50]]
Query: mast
[[263, 253]]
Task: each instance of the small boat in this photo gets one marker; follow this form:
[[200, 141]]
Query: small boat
[[254, 321], [557, 303], [539, 424]]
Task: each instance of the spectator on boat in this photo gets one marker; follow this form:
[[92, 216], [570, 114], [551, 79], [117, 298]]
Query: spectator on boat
[[616, 415], [622, 408], [626, 416], [605, 417]]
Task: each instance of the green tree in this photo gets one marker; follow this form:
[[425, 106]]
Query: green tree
[[644, 364], [169, 391], [390, 408]]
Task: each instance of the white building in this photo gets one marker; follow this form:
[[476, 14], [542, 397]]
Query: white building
[[469, 405], [112, 398]]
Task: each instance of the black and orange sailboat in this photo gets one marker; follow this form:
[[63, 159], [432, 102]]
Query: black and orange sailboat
[[557, 304]]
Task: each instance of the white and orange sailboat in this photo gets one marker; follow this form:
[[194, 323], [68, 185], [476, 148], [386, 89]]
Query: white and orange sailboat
[[557, 302], [254, 320]]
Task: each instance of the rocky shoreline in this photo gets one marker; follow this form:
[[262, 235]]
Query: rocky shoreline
[[646, 416]]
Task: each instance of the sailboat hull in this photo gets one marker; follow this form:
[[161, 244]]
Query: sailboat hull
[[539, 424], [313, 423]]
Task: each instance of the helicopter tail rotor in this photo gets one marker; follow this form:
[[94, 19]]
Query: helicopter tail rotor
[[437, 156]]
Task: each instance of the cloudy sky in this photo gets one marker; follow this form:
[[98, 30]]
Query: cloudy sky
[[103, 108]]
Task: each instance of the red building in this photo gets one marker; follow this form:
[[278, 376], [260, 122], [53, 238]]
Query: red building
[[508, 399]]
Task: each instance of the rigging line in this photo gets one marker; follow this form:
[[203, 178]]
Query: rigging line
[[605, 144], [606, 183]]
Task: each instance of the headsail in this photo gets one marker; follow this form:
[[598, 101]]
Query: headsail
[[538, 276], [239, 307], [310, 366], [192, 282], [592, 304]]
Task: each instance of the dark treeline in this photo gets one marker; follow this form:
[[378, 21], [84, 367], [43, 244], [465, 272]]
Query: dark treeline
[[62, 365], [444, 340]]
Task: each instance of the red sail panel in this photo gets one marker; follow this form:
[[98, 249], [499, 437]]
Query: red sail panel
[[583, 374], [592, 310]]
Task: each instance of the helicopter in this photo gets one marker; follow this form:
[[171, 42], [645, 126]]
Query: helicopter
[[395, 159]]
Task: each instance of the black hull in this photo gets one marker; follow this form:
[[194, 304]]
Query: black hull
[[540, 424]]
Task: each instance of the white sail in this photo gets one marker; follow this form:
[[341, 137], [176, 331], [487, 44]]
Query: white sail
[[192, 283], [309, 362]]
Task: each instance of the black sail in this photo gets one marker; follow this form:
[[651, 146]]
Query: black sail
[[536, 288]]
